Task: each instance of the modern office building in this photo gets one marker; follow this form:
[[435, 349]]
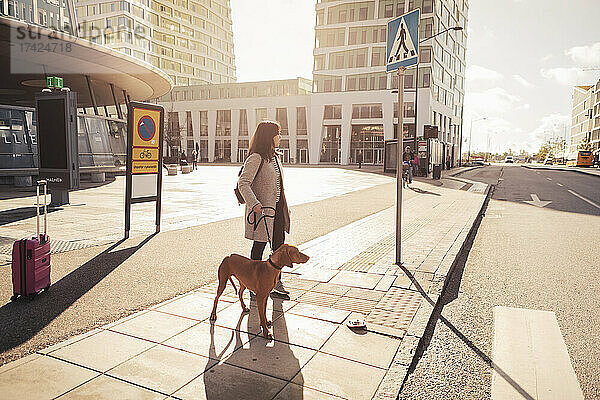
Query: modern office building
[[353, 108], [585, 117], [191, 40], [220, 119], [37, 40]]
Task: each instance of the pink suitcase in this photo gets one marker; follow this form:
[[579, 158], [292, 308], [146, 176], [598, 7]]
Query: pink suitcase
[[31, 258]]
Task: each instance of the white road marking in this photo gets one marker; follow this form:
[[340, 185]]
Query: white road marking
[[530, 357], [559, 184], [535, 201], [583, 198], [549, 178]]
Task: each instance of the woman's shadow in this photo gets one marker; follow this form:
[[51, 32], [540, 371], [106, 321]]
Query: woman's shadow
[[267, 357]]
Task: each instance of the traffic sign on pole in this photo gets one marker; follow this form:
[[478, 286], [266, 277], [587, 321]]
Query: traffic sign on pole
[[402, 48]]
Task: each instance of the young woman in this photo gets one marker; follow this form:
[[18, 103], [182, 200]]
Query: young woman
[[261, 185]]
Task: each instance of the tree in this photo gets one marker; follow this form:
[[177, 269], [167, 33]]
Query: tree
[[585, 144], [544, 151]]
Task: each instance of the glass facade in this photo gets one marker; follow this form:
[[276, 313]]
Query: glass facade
[[331, 146], [101, 140], [367, 139]]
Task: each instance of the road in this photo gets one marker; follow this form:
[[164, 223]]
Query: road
[[525, 256]]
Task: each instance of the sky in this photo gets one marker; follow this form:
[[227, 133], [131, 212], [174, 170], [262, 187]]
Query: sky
[[523, 59]]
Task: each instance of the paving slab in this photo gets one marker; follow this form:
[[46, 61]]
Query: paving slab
[[210, 340], [340, 377], [162, 368], [42, 378], [272, 357], [154, 326], [107, 388], [226, 382], [363, 346], [103, 350]]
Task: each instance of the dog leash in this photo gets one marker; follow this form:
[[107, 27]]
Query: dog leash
[[254, 222]]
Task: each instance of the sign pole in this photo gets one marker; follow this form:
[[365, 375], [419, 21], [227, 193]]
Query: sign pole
[[399, 134]]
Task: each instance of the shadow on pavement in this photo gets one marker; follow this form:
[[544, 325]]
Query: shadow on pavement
[[19, 214], [258, 350], [421, 191], [22, 319]]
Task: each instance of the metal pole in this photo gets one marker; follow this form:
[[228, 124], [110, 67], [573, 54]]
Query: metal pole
[[416, 108], [470, 132], [399, 132]]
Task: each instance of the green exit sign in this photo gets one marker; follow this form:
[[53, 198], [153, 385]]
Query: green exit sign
[[54, 82]]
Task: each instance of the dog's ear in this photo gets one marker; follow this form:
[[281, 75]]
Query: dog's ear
[[286, 256]]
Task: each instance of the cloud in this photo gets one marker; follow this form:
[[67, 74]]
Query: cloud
[[569, 76], [585, 55], [549, 126], [478, 73], [495, 101], [522, 81]]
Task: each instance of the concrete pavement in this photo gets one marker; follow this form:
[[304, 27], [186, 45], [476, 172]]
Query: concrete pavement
[[169, 349]]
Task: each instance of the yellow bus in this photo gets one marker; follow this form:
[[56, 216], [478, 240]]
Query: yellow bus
[[581, 158]]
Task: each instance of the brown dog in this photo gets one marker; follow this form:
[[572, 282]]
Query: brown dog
[[258, 276]]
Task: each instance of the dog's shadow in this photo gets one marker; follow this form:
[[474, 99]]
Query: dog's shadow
[[256, 378]]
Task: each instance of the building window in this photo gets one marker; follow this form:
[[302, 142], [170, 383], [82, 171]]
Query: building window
[[189, 126], [224, 123], [400, 8], [352, 37], [362, 14], [333, 112], [389, 11], [243, 123], [222, 150], [426, 79], [409, 109], [301, 121], [332, 144], [261, 114], [203, 123], [425, 56], [367, 111], [368, 141], [281, 117], [427, 6]]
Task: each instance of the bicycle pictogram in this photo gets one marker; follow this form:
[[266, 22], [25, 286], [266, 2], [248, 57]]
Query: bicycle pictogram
[[146, 154]]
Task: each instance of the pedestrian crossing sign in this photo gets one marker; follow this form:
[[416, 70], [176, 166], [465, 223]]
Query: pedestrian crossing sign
[[403, 41]]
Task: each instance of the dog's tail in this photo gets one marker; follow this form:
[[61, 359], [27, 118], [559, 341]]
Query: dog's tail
[[233, 284]]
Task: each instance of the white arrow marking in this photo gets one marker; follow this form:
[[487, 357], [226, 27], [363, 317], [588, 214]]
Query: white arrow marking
[[536, 201]]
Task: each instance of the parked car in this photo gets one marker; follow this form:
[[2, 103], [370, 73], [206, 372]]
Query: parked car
[[509, 159], [549, 160], [477, 161]]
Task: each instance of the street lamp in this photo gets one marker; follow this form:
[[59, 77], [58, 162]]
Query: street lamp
[[452, 28], [470, 132]]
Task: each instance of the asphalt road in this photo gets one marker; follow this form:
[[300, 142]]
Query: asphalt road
[[523, 256]]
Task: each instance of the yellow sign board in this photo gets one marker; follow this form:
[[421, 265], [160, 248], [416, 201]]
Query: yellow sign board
[[144, 167], [146, 140]]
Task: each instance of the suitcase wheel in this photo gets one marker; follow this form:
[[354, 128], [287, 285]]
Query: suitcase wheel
[[46, 288], [14, 297]]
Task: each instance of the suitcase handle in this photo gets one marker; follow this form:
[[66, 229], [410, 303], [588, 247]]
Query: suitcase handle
[[43, 183]]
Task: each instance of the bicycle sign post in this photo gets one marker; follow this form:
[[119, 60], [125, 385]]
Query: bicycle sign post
[[144, 158], [402, 50]]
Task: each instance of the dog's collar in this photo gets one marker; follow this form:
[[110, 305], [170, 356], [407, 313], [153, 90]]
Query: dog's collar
[[274, 265]]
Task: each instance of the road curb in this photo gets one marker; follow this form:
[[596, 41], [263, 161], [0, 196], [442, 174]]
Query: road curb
[[421, 329], [562, 169], [455, 173]]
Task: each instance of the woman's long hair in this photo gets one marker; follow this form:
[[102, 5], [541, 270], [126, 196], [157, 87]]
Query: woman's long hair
[[262, 140]]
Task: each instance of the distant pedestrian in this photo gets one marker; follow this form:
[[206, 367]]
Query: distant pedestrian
[[416, 163], [408, 157], [183, 159], [359, 158], [195, 158], [261, 185]]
